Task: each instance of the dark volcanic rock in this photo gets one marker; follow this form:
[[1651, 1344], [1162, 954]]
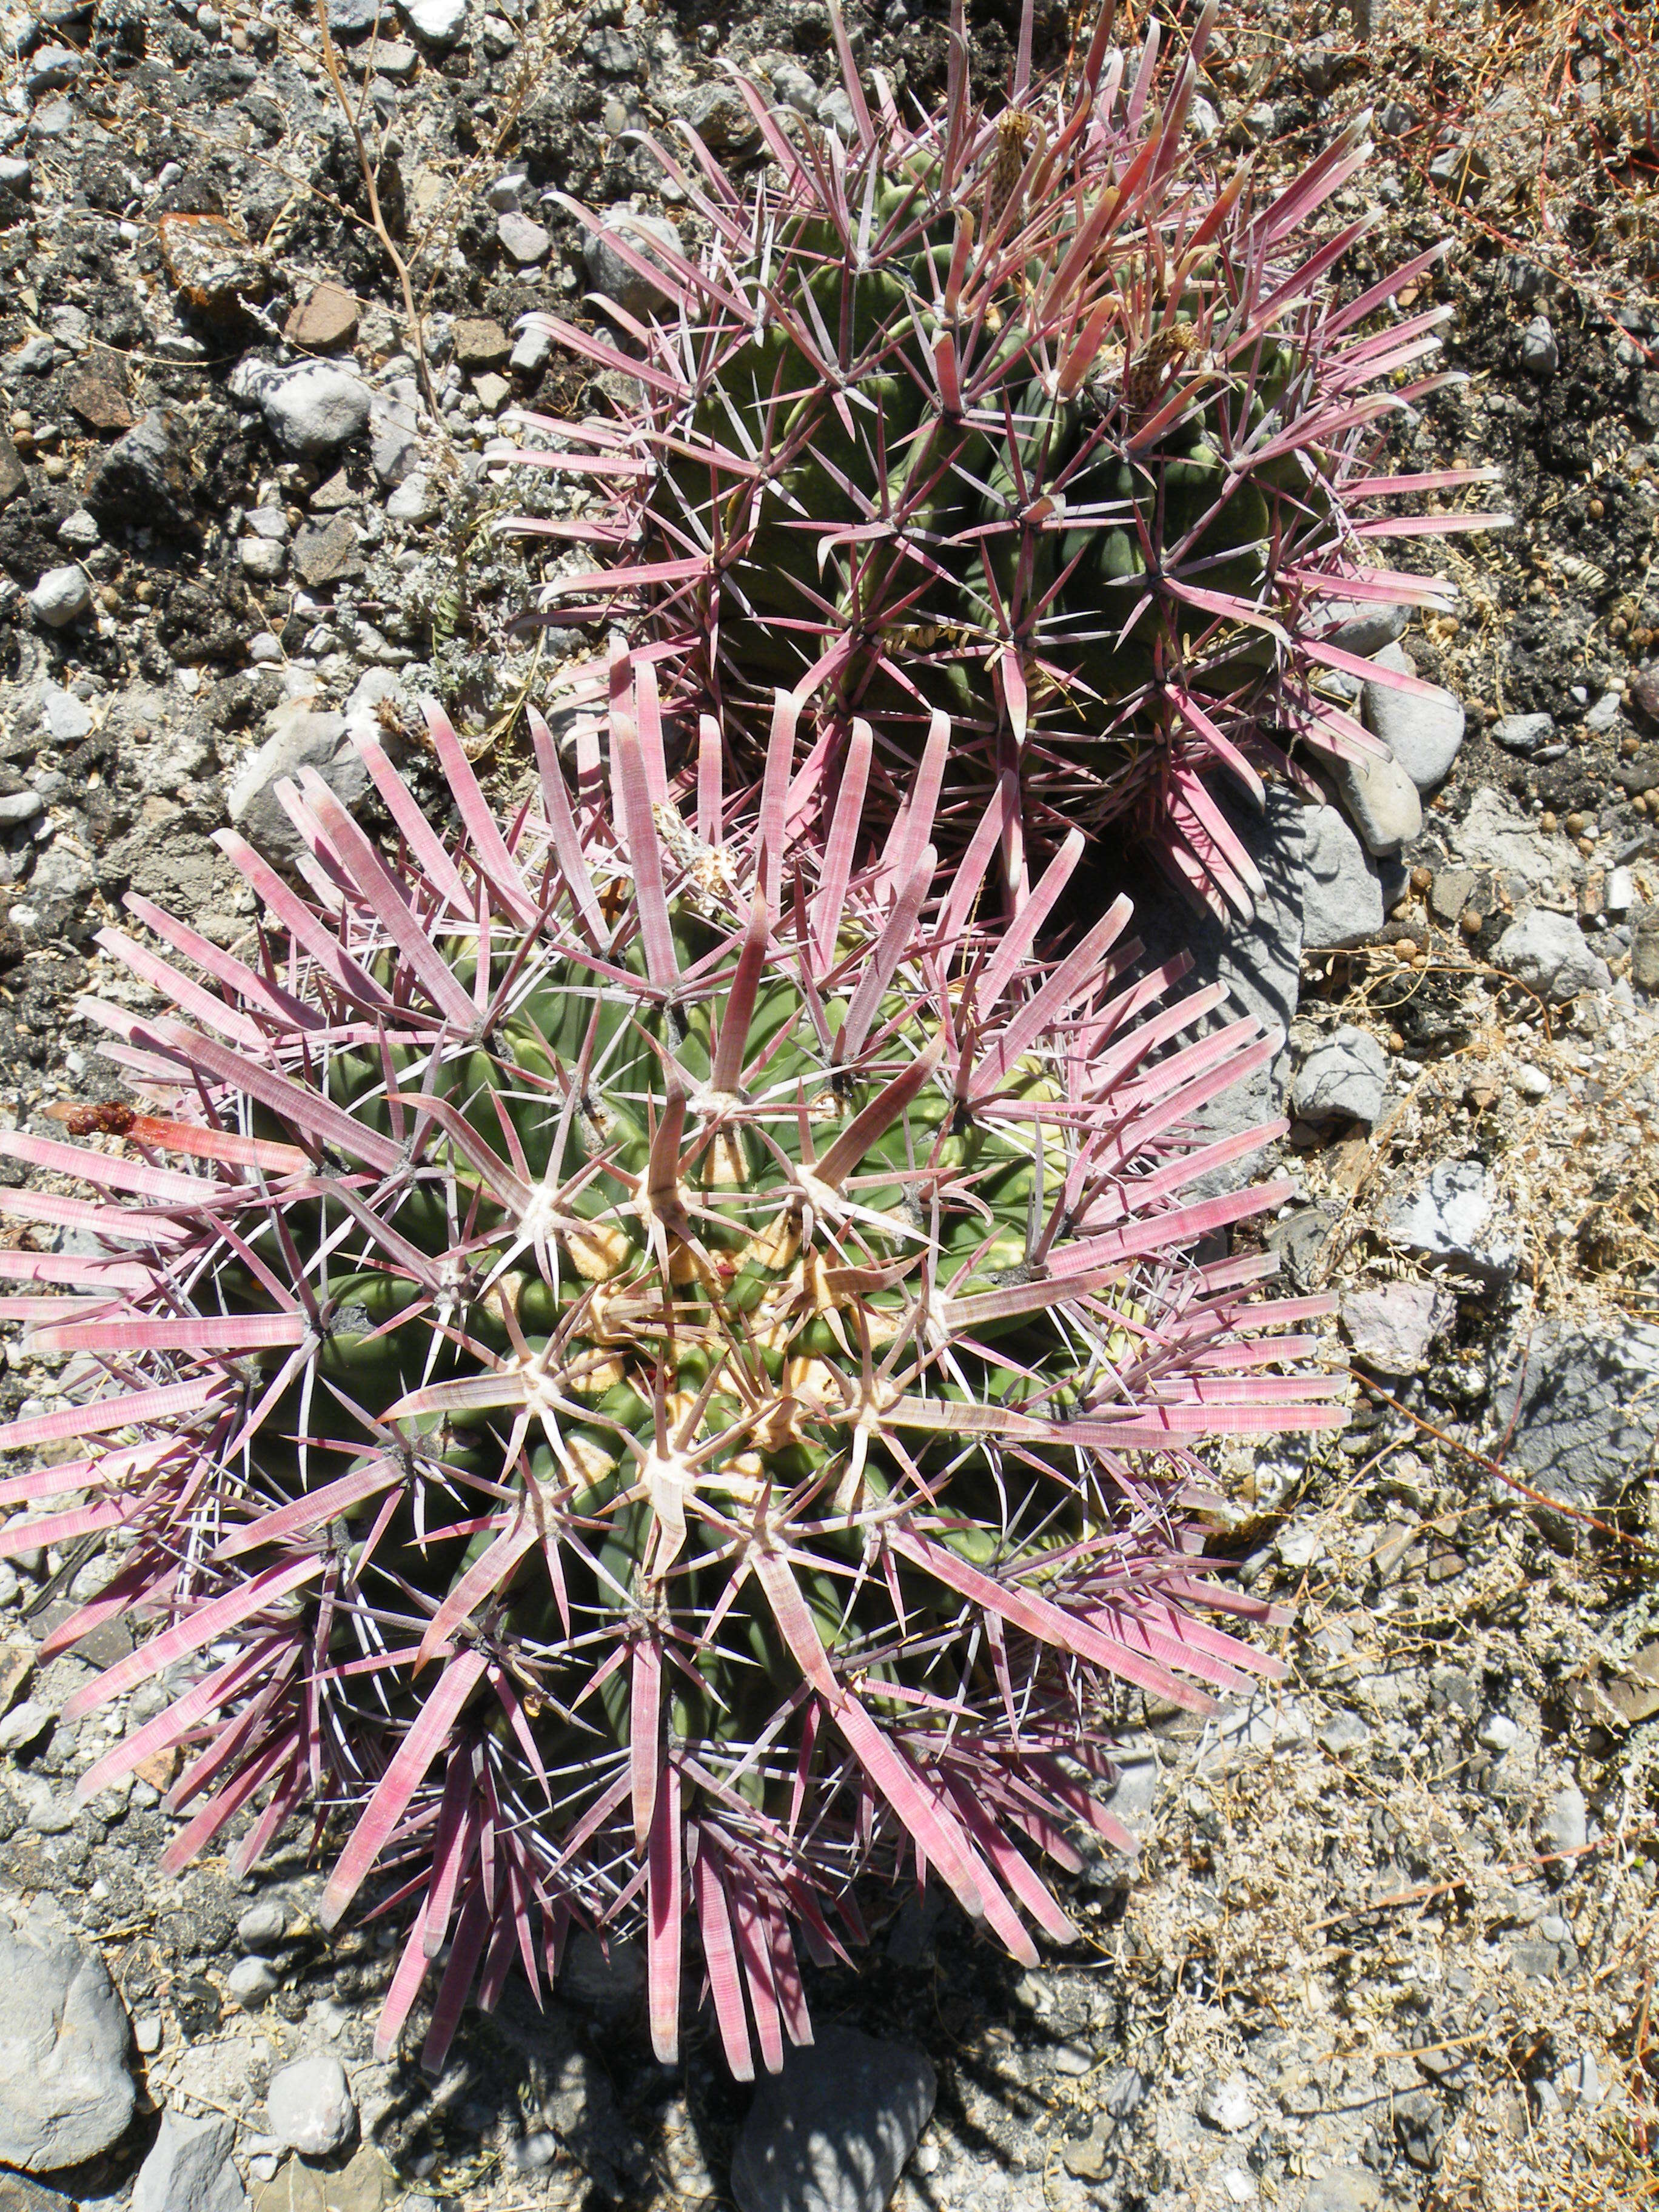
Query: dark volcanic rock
[[144, 478]]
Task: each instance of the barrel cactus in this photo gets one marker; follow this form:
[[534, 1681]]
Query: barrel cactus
[[1026, 416], [643, 1369]]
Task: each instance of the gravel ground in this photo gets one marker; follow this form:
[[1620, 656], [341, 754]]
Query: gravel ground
[[1389, 1940]]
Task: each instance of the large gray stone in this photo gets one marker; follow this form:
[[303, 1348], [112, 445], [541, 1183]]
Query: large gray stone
[[1346, 1076], [610, 273], [832, 2132], [440, 22], [61, 596], [1382, 802], [1360, 626], [1550, 951], [188, 2168], [1391, 1326], [1422, 734], [313, 408], [298, 737], [65, 2093], [1342, 892], [310, 2108], [1579, 1406], [1450, 1216], [18, 2194]]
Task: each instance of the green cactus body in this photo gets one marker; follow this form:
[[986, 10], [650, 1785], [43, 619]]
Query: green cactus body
[[1033, 420], [672, 1391]]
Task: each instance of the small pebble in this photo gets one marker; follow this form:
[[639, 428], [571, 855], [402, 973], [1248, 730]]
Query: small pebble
[[263, 1925], [251, 1981], [61, 596]]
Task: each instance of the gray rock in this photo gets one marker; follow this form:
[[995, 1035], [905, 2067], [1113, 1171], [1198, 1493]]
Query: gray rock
[[50, 68], [79, 530], [1382, 802], [440, 22], [351, 18], [1423, 734], [251, 1981], [188, 2168], [834, 112], [1392, 1326], [264, 1926], [795, 88], [263, 559], [1350, 2189], [310, 408], [1450, 1217], [611, 274], [309, 2107], [18, 2194], [30, 1718], [1539, 354], [299, 737], [1342, 893], [16, 176], [1525, 734], [412, 501], [1344, 1732], [533, 349], [61, 596], [1536, 1959], [1550, 951], [1135, 1792], [720, 118], [1596, 723], [1565, 1826], [1492, 836], [524, 240], [17, 807], [393, 449], [1579, 1406], [144, 477], [1498, 1733], [1420, 2123], [65, 2093], [1346, 1075], [13, 474], [832, 2132]]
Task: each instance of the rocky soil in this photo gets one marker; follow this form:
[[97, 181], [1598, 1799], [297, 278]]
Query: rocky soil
[[1389, 1939]]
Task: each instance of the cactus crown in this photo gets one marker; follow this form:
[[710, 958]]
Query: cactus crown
[[1021, 416], [652, 1366]]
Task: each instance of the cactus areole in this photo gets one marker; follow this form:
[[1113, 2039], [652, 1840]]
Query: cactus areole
[[1026, 416], [642, 1374]]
